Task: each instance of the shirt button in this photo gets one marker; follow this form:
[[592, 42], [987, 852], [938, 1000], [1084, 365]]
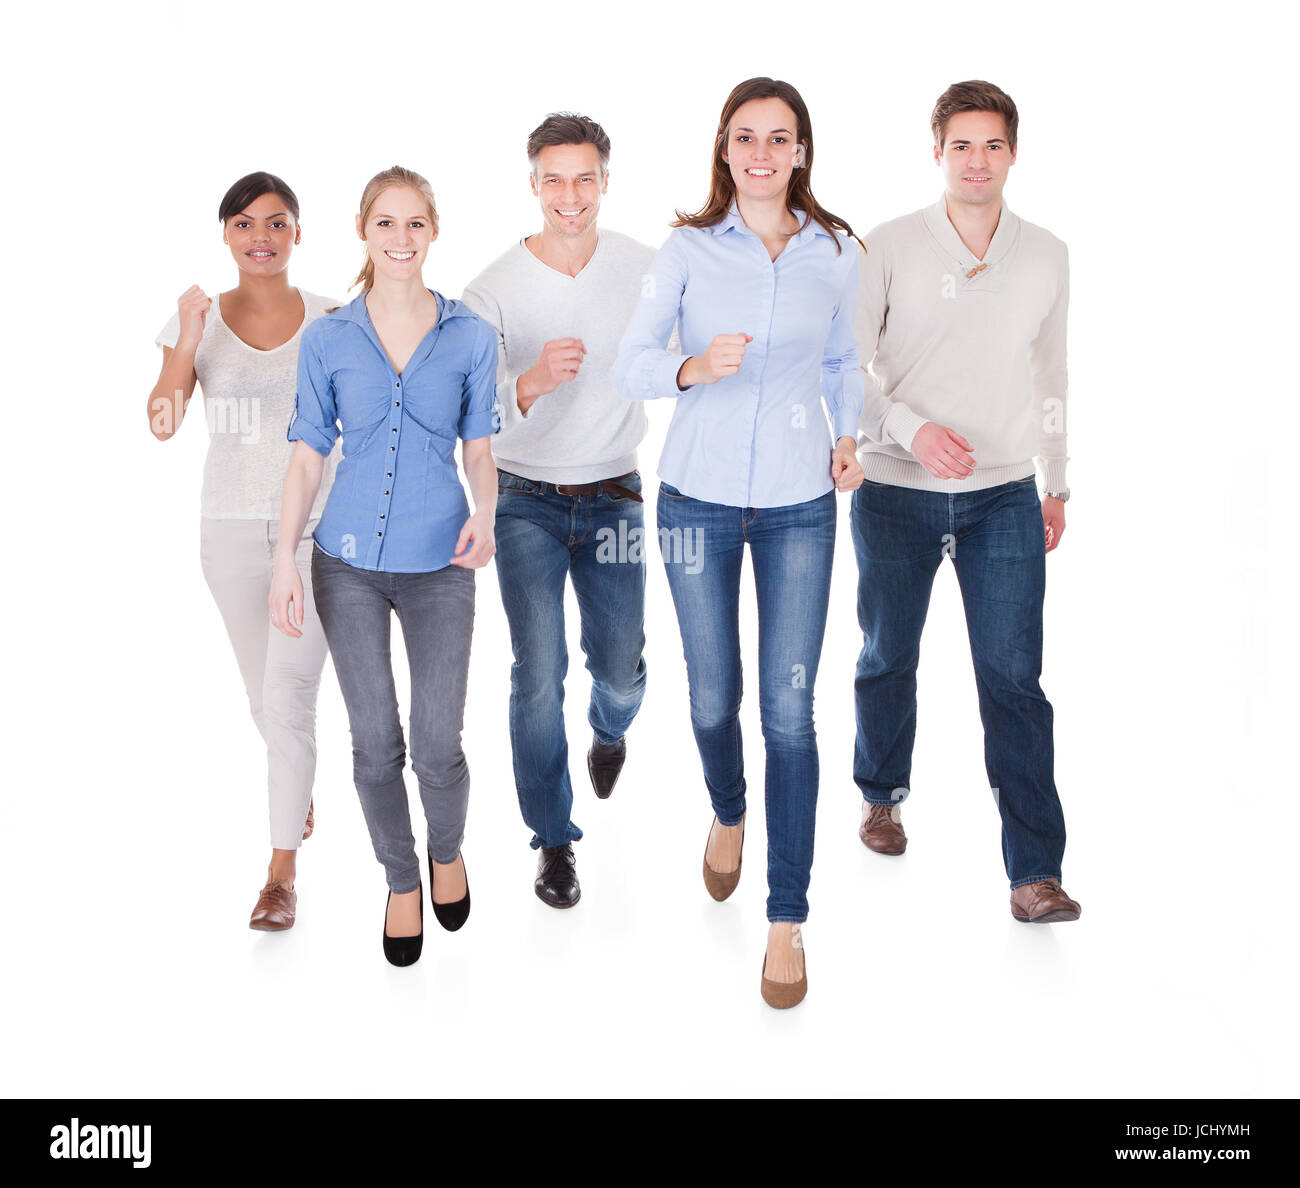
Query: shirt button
[[385, 492], [379, 534], [381, 515], [394, 428], [397, 404], [390, 474], [391, 449]]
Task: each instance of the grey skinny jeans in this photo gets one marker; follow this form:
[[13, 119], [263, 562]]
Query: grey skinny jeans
[[436, 612]]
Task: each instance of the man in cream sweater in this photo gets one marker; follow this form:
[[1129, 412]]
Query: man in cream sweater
[[569, 494], [963, 306]]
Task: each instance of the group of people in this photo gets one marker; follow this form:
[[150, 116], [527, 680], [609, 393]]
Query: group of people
[[936, 346]]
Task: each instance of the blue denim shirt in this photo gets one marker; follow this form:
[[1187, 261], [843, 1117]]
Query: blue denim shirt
[[397, 504], [757, 438]]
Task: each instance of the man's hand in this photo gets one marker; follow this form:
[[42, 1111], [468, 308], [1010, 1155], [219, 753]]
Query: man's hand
[[558, 363], [1053, 522], [944, 453]]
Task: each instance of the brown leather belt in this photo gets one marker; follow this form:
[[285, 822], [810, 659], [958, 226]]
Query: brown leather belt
[[610, 486]]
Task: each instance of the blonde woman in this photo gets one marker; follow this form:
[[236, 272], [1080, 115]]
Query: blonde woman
[[401, 372]]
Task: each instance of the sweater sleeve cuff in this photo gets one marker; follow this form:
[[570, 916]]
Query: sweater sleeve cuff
[[902, 424], [1054, 475]]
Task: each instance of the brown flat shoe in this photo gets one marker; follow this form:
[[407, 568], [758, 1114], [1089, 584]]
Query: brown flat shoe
[[1043, 903], [310, 825], [277, 905], [717, 884], [882, 828], [783, 995]]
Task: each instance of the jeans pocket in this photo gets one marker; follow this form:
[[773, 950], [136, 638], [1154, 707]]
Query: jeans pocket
[[671, 492]]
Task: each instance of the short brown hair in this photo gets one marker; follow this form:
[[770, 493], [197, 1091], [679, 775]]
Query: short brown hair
[[975, 95], [567, 127]]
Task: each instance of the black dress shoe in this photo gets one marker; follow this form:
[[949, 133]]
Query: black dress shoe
[[604, 763], [450, 915], [557, 876], [404, 950]]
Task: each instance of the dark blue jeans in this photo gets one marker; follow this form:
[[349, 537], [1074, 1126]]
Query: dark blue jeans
[[995, 539], [597, 541], [791, 549]]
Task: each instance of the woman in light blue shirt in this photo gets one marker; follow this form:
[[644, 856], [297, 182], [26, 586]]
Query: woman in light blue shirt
[[403, 372], [762, 283]]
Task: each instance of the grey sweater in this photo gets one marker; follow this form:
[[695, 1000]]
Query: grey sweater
[[583, 431]]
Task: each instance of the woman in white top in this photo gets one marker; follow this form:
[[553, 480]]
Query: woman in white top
[[242, 349]]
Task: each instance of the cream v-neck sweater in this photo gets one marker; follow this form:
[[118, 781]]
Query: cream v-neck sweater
[[583, 431], [976, 345]]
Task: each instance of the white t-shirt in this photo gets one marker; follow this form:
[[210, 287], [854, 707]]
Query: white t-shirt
[[248, 398]]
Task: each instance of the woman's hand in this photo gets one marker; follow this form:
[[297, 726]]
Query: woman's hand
[[846, 471], [944, 453], [480, 529], [725, 354], [286, 598], [192, 306]]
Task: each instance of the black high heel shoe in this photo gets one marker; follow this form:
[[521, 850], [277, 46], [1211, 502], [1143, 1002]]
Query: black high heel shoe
[[404, 950], [450, 915]]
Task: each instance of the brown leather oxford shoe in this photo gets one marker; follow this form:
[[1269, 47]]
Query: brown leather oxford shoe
[[882, 828], [1043, 903], [277, 905]]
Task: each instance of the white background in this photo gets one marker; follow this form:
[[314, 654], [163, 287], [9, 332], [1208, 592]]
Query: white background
[[1155, 139]]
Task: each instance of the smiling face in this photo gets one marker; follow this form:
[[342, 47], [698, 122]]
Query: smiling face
[[975, 157], [568, 181], [761, 148], [262, 235], [398, 231]]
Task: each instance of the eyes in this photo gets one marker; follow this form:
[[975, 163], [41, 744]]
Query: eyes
[[960, 148], [585, 180], [414, 224], [244, 224], [745, 138]]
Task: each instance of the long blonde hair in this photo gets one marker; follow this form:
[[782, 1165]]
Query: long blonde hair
[[389, 178]]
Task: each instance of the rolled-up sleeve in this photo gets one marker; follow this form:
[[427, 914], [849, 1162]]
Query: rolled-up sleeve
[[646, 368], [480, 415], [315, 409], [843, 384]]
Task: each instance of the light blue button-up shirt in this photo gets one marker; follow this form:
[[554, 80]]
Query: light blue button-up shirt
[[397, 504], [758, 438]]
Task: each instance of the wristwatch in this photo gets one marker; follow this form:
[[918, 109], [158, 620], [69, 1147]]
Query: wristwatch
[[1063, 496]]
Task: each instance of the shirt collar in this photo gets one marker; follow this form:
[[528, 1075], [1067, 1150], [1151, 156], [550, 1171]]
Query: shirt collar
[[732, 219], [448, 307], [945, 234]]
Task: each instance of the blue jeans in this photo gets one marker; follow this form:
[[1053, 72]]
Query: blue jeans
[[597, 541], [436, 611], [791, 549], [995, 539]]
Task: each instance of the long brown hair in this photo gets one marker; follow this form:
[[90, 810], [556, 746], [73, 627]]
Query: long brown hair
[[799, 195], [387, 180]]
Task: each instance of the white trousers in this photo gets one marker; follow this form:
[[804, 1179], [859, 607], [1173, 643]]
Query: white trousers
[[281, 675]]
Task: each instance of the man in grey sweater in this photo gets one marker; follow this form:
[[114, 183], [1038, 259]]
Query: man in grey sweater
[[569, 493], [962, 316]]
